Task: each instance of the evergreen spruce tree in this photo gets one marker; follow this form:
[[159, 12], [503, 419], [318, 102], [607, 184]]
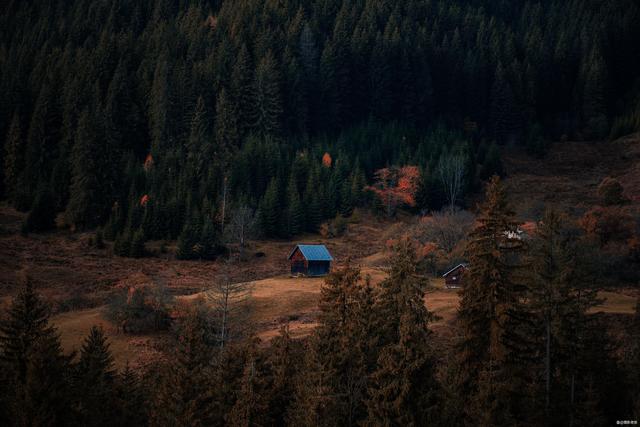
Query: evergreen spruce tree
[[492, 163], [13, 158], [160, 107], [209, 240], [588, 411], [130, 399], [267, 98], [42, 138], [226, 124], [242, 89], [346, 198], [504, 111], [403, 389], [633, 362], [137, 249], [42, 215], [594, 104], [336, 361], [284, 360], [35, 368], [184, 394], [94, 382], [312, 203], [490, 310], [270, 210], [560, 305], [295, 212], [87, 204], [251, 406], [358, 182], [197, 143], [122, 243], [189, 238]]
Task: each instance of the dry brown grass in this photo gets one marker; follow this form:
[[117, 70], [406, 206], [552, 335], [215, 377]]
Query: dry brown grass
[[63, 265], [569, 175], [284, 300], [616, 302], [74, 328]]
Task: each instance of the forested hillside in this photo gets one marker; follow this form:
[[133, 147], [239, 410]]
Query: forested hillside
[[151, 118]]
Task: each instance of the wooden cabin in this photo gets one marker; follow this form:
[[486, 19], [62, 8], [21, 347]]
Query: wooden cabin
[[310, 260], [454, 277]]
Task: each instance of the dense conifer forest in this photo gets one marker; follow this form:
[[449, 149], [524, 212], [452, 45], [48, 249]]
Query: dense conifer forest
[[151, 117], [529, 351], [210, 122]]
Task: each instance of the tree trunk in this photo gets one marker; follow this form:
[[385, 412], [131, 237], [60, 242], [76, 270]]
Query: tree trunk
[[547, 367], [224, 203]]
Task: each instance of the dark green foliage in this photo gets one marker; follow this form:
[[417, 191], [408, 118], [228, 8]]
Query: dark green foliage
[[140, 309], [42, 216], [35, 369], [492, 164], [492, 316], [122, 244], [94, 380], [136, 250], [270, 210], [252, 400], [561, 316], [209, 241], [403, 389], [192, 106], [99, 238], [504, 112], [199, 240], [295, 212], [632, 362], [284, 358], [226, 125], [241, 87], [184, 393], [13, 158], [259, 86], [91, 181], [335, 361], [43, 135], [131, 399], [536, 143], [594, 103], [266, 97], [188, 239]]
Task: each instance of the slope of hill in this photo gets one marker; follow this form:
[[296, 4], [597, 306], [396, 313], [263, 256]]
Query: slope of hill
[[78, 278], [568, 176]]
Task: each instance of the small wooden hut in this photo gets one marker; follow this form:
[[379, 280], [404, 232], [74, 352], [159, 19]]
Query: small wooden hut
[[454, 278], [310, 260]]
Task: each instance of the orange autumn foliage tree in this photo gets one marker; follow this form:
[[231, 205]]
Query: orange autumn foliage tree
[[327, 161], [608, 224], [148, 163], [396, 186]]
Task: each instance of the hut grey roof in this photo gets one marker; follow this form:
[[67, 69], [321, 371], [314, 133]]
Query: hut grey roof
[[313, 252], [464, 264]]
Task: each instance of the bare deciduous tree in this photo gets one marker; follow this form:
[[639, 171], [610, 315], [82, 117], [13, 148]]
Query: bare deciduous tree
[[242, 226], [231, 305], [446, 228], [450, 171]]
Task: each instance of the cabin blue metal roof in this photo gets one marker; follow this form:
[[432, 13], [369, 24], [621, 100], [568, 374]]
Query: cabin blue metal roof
[[313, 252]]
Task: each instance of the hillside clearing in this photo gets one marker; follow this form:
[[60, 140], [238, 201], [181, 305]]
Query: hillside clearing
[[278, 301]]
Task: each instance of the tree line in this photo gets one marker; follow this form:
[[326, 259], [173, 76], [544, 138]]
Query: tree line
[[526, 351], [202, 107]]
